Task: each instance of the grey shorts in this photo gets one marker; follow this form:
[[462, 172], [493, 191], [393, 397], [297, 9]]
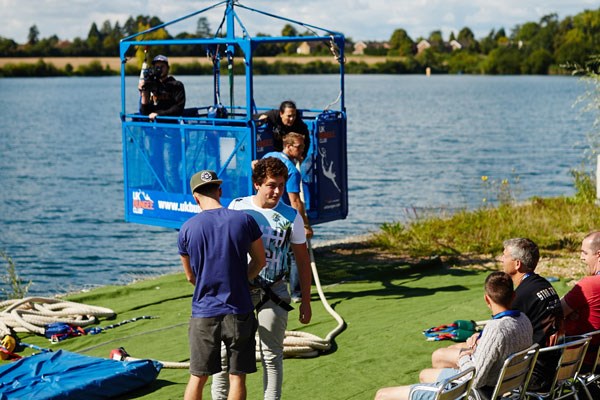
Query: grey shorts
[[237, 333], [416, 394]]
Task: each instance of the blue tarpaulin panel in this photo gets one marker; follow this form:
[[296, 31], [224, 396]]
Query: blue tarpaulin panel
[[66, 375]]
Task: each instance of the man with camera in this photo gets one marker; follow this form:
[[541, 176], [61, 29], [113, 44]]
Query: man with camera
[[160, 93]]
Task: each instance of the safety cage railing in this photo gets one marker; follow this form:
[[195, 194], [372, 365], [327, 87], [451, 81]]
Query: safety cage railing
[[160, 156]]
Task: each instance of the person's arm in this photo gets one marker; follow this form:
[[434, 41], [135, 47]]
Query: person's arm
[[567, 310], [303, 263], [257, 258], [187, 268], [298, 204]]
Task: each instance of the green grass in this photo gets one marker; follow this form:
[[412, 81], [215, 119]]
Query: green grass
[[554, 224], [386, 305]]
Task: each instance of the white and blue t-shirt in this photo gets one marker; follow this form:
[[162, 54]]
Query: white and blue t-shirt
[[280, 227]]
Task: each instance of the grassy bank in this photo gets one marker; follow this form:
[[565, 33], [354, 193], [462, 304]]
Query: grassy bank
[[388, 289], [385, 299], [556, 224]]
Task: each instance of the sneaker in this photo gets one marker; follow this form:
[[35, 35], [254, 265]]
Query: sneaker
[[296, 299]]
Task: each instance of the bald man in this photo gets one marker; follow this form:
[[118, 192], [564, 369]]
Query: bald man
[[581, 306]]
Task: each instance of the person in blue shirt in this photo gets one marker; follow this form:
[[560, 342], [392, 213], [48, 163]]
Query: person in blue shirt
[[214, 247]]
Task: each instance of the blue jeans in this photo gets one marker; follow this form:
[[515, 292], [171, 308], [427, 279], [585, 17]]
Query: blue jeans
[[294, 277]]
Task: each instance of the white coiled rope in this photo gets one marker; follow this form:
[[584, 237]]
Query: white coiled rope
[[304, 344], [33, 314]]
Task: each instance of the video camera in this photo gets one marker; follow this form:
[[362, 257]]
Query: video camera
[[152, 78]]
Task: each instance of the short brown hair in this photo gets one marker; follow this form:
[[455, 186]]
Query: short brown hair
[[268, 167], [500, 288], [289, 138]]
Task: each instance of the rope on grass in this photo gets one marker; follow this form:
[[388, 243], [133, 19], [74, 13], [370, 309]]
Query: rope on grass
[[33, 314], [304, 344], [296, 343]]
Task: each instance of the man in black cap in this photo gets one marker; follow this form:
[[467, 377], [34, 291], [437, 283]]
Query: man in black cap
[[161, 95], [214, 246]]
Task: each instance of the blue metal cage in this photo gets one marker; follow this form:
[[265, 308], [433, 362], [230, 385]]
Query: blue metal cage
[[160, 156]]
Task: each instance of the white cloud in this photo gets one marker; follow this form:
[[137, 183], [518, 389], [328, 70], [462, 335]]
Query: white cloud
[[358, 19]]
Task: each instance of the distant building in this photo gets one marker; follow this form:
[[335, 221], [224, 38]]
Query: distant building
[[455, 45], [359, 48], [304, 48], [422, 46]]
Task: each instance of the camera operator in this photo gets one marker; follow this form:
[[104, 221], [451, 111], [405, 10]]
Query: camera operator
[[161, 94]]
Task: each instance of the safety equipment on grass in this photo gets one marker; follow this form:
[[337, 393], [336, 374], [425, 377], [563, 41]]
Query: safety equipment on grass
[[7, 348], [459, 331]]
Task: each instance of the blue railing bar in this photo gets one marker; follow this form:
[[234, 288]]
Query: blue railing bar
[[225, 41], [237, 18]]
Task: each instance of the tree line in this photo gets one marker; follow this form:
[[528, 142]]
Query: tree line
[[539, 47]]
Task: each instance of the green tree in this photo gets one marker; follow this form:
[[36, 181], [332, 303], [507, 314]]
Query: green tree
[[94, 39], [8, 47], [401, 44], [436, 40], [289, 30], [464, 62], [130, 27], [466, 38], [33, 36], [432, 59], [538, 62], [487, 44], [503, 61], [203, 28]]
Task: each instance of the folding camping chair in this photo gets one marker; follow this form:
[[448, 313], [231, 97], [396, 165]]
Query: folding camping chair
[[565, 378], [455, 387], [514, 376]]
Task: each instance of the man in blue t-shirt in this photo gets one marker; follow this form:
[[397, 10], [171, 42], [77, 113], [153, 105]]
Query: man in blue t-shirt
[[214, 247]]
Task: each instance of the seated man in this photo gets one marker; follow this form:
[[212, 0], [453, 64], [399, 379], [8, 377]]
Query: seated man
[[508, 332], [536, 298], [581, 306]]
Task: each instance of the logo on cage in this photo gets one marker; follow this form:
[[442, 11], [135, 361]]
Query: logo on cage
[[141, 202]]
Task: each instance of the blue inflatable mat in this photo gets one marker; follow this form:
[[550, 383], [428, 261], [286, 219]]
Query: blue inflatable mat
[[66, 375]]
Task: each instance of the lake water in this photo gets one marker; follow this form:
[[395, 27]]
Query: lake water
[[414, 144]]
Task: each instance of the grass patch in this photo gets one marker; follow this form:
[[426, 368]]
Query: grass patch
[[386, 301], [554, 224]]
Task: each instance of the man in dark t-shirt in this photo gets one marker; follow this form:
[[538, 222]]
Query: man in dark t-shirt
[[535, 297]]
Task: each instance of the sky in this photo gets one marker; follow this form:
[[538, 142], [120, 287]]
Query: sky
[[356, 19]]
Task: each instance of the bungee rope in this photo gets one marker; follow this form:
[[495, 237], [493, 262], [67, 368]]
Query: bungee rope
[[304, 344], [34, 314]]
